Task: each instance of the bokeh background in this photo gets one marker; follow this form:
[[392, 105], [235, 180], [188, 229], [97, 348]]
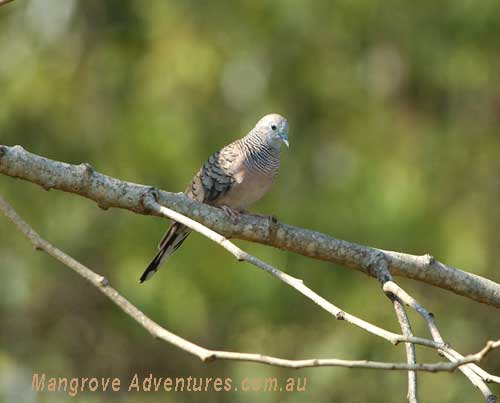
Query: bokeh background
[[394, 110]]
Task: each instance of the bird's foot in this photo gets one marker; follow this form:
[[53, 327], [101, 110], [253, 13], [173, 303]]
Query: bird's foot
[[234, 215]]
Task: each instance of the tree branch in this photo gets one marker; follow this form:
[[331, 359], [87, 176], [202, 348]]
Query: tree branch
[[207, 355], [110, 192]]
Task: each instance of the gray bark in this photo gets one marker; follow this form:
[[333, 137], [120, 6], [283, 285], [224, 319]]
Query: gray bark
[[111, 192]]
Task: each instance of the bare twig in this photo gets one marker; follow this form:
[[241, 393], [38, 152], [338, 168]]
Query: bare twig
[[110, 192], [411, 356], [379, 269], [475, 374], [206, 355]]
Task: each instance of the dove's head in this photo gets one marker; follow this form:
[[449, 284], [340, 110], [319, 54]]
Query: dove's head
[[273, 129]]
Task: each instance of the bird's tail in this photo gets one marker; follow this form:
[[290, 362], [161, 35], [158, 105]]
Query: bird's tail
[[172, 239]]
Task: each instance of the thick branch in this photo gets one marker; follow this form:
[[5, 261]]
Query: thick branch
[[206, 355], [110, 192]]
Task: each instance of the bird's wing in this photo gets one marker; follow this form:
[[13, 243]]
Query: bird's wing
[[212, 181], [216, 176]]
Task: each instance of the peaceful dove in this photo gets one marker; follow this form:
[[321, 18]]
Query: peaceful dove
[[232, 179]]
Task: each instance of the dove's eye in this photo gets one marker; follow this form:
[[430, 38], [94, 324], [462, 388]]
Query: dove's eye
[[273, 127]]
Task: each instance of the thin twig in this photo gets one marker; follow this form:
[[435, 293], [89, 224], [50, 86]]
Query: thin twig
[[380, 270], [411, 355], [476, 377], [206, 355]]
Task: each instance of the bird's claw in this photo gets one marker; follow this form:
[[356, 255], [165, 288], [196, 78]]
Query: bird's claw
[[234, 215]]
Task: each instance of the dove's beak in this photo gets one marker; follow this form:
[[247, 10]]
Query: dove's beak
[[284, 138]]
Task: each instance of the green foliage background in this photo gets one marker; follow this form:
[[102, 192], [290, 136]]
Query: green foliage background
[[394, 110]]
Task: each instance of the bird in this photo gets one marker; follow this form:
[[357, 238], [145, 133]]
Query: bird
[[232, 179]]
